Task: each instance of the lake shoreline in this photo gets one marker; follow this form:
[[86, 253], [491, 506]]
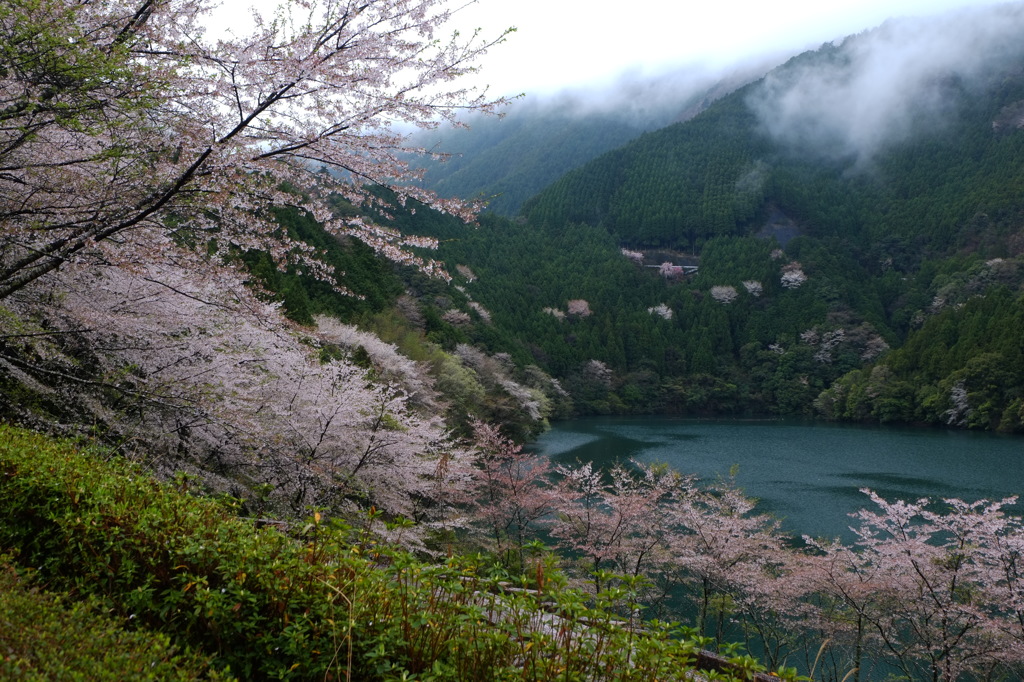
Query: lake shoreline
[[808, 473]]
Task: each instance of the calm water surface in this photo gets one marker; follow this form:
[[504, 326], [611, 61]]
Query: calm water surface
[[807, 474]]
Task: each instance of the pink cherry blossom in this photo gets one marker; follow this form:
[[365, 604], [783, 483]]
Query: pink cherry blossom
[[126, 124]]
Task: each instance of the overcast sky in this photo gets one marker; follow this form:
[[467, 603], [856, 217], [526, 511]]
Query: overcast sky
[[565, 43]]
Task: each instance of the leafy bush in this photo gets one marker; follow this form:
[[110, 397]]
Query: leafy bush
[[51, 637], [254, 599]]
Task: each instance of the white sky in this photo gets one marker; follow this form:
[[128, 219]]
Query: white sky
[[564, 43]]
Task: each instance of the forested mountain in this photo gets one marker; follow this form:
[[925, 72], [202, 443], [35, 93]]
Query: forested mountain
[[503, 162], [767, 147], [862, 197]]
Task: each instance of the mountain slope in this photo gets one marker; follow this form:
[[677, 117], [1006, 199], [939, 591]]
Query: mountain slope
[[945, 152], [832, 209], [506, 161]]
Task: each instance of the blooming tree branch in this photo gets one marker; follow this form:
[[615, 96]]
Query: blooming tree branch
[[123, 115]]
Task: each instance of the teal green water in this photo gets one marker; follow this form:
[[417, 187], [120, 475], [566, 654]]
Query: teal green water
[[807, 474]]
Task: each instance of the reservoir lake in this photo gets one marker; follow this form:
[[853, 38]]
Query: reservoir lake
[[807, 474]]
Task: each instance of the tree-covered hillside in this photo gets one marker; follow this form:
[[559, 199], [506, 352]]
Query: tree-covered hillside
[[723, 172], [503, 162], [831, 214]]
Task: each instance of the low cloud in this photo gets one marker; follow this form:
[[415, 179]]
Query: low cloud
[[663, 94], [881, 87]]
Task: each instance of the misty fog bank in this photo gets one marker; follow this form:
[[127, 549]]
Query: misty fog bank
[[880, 87]]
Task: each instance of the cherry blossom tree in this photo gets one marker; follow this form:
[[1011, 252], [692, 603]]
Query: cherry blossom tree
[[511, 492], [494, 371], [384, 358], [874, 346], [753, 287], [598, 373], [727, 553], [636, 257], [792, 275], [699, 542], [670, 271], [960, 405], [127, 131], [184, 367], [466, 273], [578, 307], [484, 314], [620, 519], [662, 311], [826, 342], [851, 594], [455, 317], [938, 592], [724, 293]]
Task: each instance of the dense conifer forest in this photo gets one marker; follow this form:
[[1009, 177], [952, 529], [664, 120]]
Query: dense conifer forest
[[505, 161], [869, 284]]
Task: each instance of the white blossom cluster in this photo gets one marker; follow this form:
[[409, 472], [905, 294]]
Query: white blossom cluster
[[456, 317], [826, 344], [792, 276], [385, 356], [598, 372], [724, 293], [874, 347], [662, 311], [466, 273], [960, 407], [494, 370], [670, 271], [213, 382], [206, 129], [484, 314], [578, 307], [635, 256], [862, 338]]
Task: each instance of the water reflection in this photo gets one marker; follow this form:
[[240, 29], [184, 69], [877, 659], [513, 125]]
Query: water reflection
[[808, 474]]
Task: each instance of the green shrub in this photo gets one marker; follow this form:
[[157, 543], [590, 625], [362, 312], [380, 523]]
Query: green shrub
[[51, 637], [325, 603], [253, 599]]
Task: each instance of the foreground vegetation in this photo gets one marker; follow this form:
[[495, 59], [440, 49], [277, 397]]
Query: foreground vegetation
[[54, 637], [927, 592], [321, 601]]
